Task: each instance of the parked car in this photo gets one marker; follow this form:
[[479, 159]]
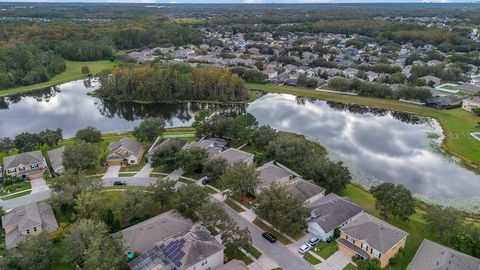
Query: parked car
[[313, 241], [304, 248], [270, 237], [119, 183], [205, 181]]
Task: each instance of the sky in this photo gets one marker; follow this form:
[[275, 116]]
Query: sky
[[250, 1]]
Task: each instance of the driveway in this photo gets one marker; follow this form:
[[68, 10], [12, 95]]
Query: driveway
[[175, 175], [39, 185], [112, 172], [277, 252], [145, 171], [337, 261]]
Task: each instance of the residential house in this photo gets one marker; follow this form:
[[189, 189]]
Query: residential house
[[289, 68], [233, 265], [55, 157], [302, 69], [468, 88], [470, 104], [475, 80], [30, 219], [308, 191], [329, 213], [270, 73], [444, 102], [433, 256], [213, 146], [279, 79], [181, 143], [143, 236], [28, 165], [124, 152], [432, 63], [232, 155], [431, 80], [350, 72], [196, 249], [368, 237], [274, 173], [291, 82], [371, 76]]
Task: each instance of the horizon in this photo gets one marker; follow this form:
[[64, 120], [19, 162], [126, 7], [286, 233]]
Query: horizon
[[248, 2]]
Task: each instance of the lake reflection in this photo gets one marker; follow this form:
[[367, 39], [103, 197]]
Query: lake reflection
[[70, 108], [378, 145]]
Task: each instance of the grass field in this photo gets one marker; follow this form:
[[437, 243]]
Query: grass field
[[311, 259], [73, 72], [325, 249], [456, 123]]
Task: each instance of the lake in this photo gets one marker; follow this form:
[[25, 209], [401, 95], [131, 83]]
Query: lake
[[376, 144]]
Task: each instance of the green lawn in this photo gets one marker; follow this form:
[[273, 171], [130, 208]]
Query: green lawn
[[24, 185], [267, 228], [456, 123], [234, 206], [232, 254], [325, 249], [73, 72], [350, 267], [19, 194], [311, 259], [254, 252], [416, 226]]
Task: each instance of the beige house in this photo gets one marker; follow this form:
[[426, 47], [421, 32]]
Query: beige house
[[124, 152], [368, 237], [28, 165], [30, 219], [470, 104]]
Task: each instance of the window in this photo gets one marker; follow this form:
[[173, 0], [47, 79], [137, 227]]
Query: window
[[11, 170], [34, 229], [132, 161], [350, 239], [33, 166], [28, 231], [376, 253], [21, 168], [364, 246]]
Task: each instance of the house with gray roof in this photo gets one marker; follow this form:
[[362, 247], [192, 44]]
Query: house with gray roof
[[445, 102], [30, 219], [28, 165], [368, 237], [274, 173], [433, 256], [178, 141], [468, 88], [55, 157], [124, 152], [329, 213], [233, 265], [213, 146], [308, 191], [232, 155], [196, 249], [143, 236]]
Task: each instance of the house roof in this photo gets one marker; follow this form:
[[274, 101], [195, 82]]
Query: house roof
[[475, 99], [303, 189], [144, 235], [272, 172], [470, 88], [233, 265], [56, 157], [179, 142], [375, 232], [231, 155], [22, 158], [127, 143], [431, 255], [332, 211], [26, 217], [445, 101]]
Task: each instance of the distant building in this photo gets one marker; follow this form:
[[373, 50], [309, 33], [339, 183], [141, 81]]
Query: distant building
[[444, 102], [470, 104], [30, 219]]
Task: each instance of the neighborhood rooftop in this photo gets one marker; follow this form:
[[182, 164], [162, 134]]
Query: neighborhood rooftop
[[22, 159], [232, 155]]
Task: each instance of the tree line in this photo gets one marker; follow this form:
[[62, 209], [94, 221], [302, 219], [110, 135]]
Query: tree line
[[171, 83]]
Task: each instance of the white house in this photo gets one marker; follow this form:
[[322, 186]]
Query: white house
[[470, 104]]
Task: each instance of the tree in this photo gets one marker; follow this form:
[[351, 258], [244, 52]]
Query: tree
[[25, 141], [166, 154], [163, 191], [444, 221], [477, 111], [111, 221], [68, 187], [263, 135], [393, 200], [214, 126], [149, 129], [235, 237], [6, 144], [240, 179], [242, 129], [373, 264], [32, 253], [91, 205], [80, 156], [86, 70], [331, 175], [89, 134], [136, 205], [212, 214], [189, 198], [214, 168], [191, 160], [284, 210], [88, 241], [50, 137]]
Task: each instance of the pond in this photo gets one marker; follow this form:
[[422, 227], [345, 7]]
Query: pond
[[377, 145]]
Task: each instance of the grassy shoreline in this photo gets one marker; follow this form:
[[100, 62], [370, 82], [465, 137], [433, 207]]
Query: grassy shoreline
[[456, 123], [72, 73]]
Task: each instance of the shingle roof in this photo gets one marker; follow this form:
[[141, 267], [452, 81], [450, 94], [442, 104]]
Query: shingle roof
[[56, 157], [272, 172], [233, 265], [332, 211], [375, 232], [127, 143], [22, 158], [433, 256], [303, 189], [146, 234], [231, 155]]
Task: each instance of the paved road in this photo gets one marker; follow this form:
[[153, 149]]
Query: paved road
[[277, 252], [31, 198], [131, 181]]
